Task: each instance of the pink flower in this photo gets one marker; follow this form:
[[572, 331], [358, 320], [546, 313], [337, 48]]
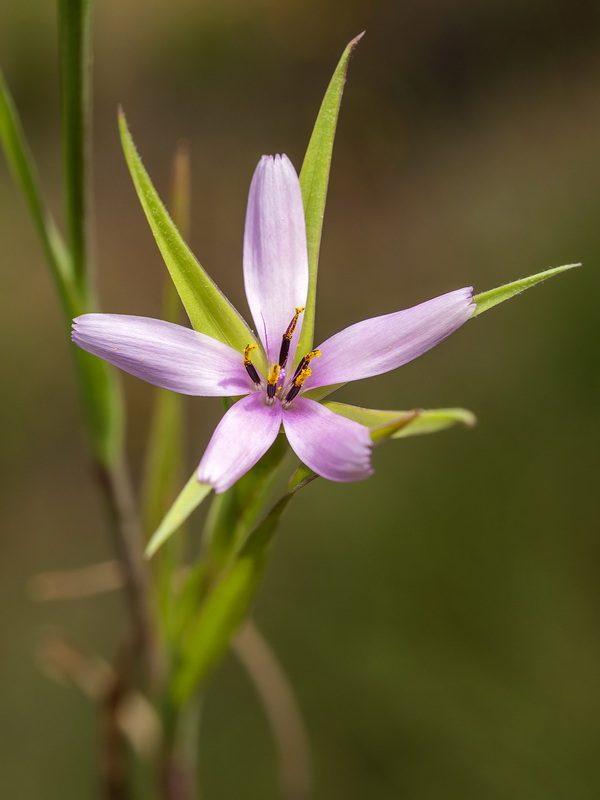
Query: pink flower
[[276, 281]]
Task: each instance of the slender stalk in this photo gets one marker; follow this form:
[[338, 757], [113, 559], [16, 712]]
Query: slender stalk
[[113, 762], [75, 60], [164, 460], [177, 766], [128, 545], [281, 709], [113, 477]]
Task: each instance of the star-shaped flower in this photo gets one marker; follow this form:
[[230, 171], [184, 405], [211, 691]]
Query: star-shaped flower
[[276, 282]]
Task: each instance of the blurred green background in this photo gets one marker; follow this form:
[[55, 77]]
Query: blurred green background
[[441, 621]]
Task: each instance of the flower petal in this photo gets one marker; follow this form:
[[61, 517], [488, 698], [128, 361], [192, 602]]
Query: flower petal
[[164, 354], [243, 436], [275, 254], [336, 448], [381, 344]]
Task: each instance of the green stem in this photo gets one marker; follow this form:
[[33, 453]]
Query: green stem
[[128, 545], [74, 36]]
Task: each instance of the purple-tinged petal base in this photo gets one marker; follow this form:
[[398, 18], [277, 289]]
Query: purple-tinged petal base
[[334, 447]]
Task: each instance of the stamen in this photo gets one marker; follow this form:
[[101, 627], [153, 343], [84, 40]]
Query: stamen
[[306, 361], [287, 338], [297, 385], [272, 383], [250, 368]]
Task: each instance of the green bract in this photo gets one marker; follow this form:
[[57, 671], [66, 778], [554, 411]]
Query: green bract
[[190, 497], [400, 424], [491, 298], [210, 312], [314, 178]]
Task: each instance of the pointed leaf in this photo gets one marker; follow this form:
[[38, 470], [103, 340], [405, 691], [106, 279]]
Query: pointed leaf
[[234, 513], [226, 607], [207, 307], [25, 174], [314, 178], [399, 424], [491, 298], [99, 391], [190, 497], [164, 455]]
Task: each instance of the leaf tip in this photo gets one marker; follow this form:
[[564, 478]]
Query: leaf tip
[[469, 419], [151, 549]]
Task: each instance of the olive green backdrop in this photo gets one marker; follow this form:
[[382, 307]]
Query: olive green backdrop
[[441, 621]]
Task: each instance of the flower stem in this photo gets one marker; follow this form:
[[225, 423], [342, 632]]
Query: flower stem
[[281, 709], [128, 545]]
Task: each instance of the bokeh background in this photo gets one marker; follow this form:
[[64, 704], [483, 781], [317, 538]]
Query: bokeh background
[[439, 622]]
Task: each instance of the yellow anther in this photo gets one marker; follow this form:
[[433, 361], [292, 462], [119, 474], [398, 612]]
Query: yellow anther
[[247, 351], [292, 326], [302, 376], [274, 375], [304, 362]]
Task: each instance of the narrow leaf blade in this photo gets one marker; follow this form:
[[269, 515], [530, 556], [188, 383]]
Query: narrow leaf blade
[[22, 166], [207, 307], [226, 607], [400, 424], [164, 454], [190, 497], [491, 298], [314, 179], [234, 513]]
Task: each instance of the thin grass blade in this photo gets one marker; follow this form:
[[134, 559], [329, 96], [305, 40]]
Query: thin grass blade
[[23, 168], [314, 179], [190, 497]]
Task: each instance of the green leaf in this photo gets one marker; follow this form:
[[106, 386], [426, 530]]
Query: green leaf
[[98, 388], [74, 18], [314, 179], [207, 307], [163, 457], [164, 454], [102, 405], [234, 513], [227, 605], [25, 174], [190, 497], [400, 424], [487, 300]]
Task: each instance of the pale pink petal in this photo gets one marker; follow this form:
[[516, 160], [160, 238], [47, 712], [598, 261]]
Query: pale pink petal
[[243, 436], [275, 256], [334, 447], [381, 344], [164, 354]]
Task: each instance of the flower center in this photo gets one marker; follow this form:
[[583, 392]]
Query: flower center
[[276, 386]]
